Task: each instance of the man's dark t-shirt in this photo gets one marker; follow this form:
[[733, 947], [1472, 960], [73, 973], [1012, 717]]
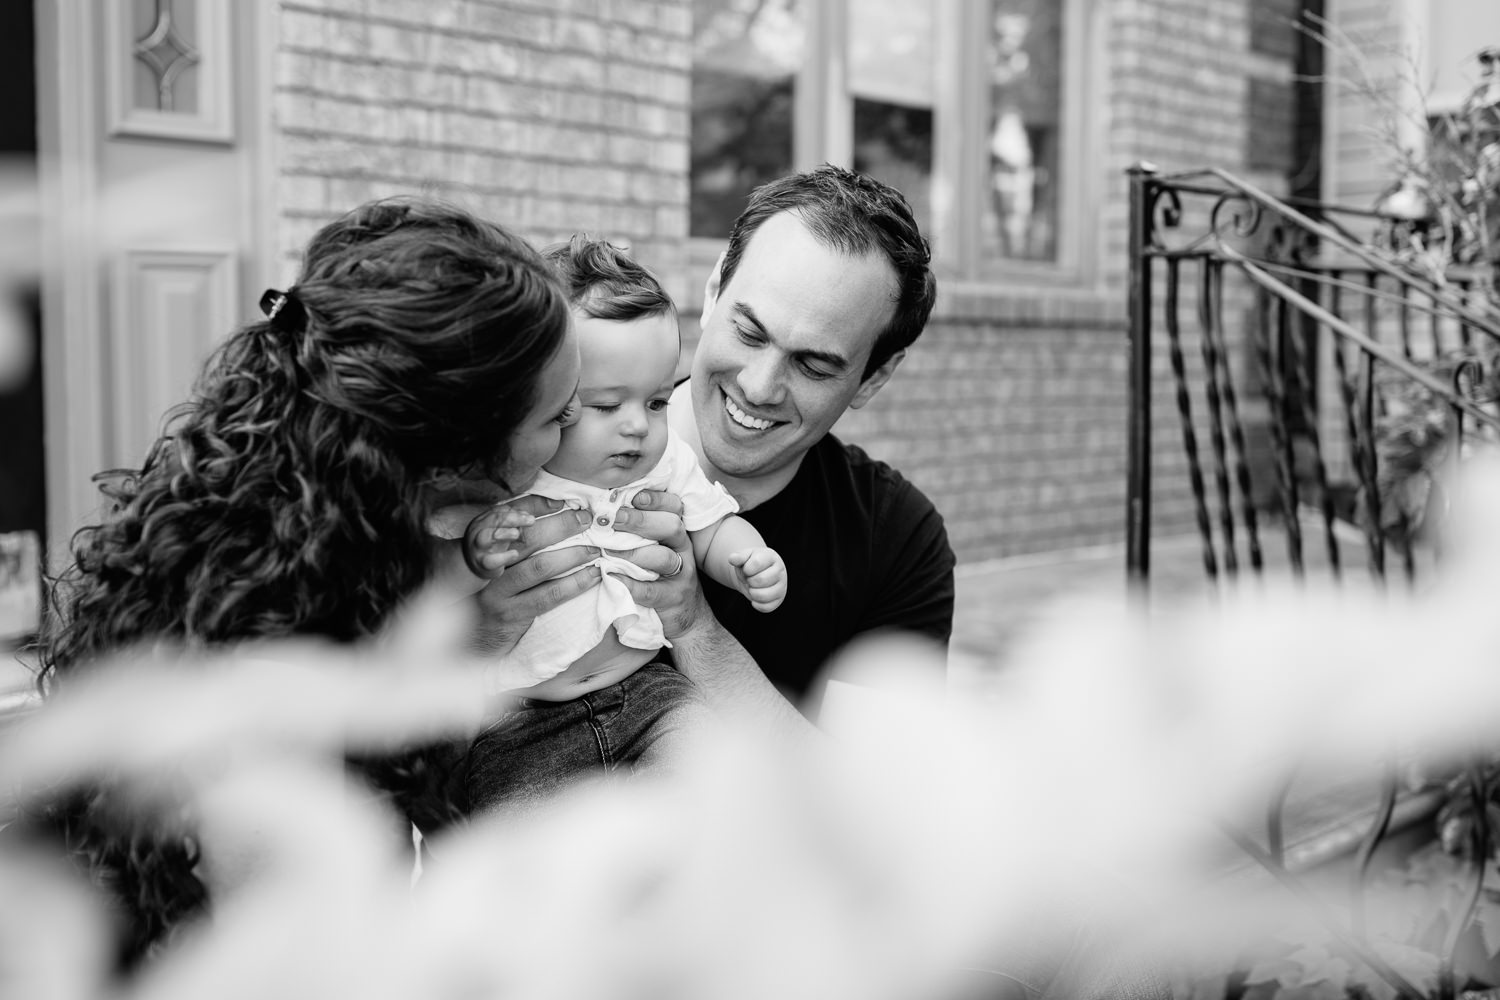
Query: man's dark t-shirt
[[864, 550]]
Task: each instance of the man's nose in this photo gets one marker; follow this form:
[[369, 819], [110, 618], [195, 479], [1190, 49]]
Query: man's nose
[[760, 380]]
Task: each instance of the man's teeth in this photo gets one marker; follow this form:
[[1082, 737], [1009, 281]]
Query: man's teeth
[[744, 419]]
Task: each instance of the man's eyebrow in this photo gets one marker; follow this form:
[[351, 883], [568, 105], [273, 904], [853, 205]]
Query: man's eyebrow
[[829, 358]]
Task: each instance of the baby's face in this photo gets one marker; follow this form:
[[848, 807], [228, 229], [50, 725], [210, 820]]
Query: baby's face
[[621, 431]]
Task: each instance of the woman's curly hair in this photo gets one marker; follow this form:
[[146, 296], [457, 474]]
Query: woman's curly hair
[[285, 497]]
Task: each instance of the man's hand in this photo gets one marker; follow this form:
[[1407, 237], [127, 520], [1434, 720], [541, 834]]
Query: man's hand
[[524, 581], [676, 599], [657, 515], [761, 576]]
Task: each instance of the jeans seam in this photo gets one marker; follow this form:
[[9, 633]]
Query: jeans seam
[[601, 741]]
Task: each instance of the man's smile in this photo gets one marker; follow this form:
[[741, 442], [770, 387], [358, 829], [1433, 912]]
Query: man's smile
[[744, 419]]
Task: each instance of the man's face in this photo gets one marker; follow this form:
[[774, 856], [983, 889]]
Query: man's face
[[784, 349]]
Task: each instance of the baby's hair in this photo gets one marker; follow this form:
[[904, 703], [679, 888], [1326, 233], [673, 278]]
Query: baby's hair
[[605, 282]]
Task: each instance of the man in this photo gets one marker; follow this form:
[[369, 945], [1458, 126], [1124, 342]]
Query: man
[[824, 285], [826, 281]]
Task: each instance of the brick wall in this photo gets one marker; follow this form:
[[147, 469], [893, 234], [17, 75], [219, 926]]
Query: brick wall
[[1010, 411], [542, 115]]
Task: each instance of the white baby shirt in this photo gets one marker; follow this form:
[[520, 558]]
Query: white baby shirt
[[560, 636]]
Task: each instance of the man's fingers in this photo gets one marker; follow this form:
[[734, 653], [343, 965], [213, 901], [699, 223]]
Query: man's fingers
[[658, 525], [538, 569], [551, 530], [554, 593], [655, 594], [522, 605], [659, 559], [658, 500]]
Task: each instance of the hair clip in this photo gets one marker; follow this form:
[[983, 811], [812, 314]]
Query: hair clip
[[284, 310]]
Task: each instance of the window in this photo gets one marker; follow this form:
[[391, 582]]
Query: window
[[972, 108], [1023, 54], [746, 57]]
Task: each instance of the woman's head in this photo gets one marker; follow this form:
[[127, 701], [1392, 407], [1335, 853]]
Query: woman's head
[[287, 496], [441, 330]]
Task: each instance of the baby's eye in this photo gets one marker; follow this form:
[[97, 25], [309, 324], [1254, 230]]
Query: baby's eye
[[656, 405], [569, 414], [604, 407]]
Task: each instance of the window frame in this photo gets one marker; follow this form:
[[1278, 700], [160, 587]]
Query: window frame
[[823, 131]]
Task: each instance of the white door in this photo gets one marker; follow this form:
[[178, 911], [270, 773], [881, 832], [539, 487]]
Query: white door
[[153, 125]]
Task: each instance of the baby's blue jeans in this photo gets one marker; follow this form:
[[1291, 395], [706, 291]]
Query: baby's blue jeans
[[638, 725]]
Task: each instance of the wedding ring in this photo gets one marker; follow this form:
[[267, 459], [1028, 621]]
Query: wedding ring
[[679, 566]]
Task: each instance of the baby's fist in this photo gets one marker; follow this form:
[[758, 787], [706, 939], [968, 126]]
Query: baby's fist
[[761, 575], [492, 540]]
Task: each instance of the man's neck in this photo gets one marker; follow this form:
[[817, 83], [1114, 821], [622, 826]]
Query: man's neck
[[752, 493], [748, 492]]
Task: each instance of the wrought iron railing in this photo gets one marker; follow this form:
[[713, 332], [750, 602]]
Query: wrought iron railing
[[1317, 348]]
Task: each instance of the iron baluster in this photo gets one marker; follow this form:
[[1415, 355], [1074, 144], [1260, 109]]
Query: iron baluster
[[1270, 364], [1210, 342], [1185, 414], [1236, 427], [1138, 457]]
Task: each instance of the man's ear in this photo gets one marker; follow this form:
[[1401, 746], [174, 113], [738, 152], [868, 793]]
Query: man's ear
[[711, 291], [879, 377]]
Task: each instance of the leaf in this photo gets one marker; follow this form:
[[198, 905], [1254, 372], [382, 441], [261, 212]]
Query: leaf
[[1321, 990], [1320, 965], [1275, 970], [1418, 966], [1488, 918]]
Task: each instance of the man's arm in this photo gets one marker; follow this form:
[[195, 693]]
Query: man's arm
[[702, 648]]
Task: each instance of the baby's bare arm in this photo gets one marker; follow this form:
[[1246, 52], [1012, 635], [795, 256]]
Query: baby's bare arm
[[734, 553]]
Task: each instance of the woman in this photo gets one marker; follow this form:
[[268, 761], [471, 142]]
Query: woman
[[421, 352]]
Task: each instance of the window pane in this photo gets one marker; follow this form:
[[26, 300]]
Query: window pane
[[746, 54], [891, 77], [1025, 63], [164, 70], [893, 143]]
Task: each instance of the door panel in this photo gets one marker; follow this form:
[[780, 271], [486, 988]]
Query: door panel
[[153, 119]]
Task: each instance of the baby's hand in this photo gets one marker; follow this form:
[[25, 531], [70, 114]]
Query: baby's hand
[[761, 576], [489, 541]]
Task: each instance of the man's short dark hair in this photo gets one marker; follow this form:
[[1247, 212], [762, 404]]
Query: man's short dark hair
[[855, 214]]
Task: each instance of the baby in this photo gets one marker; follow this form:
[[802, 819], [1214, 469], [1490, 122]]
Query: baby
[[594, 647], [618, 445]]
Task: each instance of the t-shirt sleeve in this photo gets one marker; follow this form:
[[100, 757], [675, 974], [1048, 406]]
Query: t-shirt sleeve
[[914, 568], [703, 502]]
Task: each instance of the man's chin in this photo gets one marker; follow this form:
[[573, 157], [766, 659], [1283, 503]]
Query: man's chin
[[735, 459]]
